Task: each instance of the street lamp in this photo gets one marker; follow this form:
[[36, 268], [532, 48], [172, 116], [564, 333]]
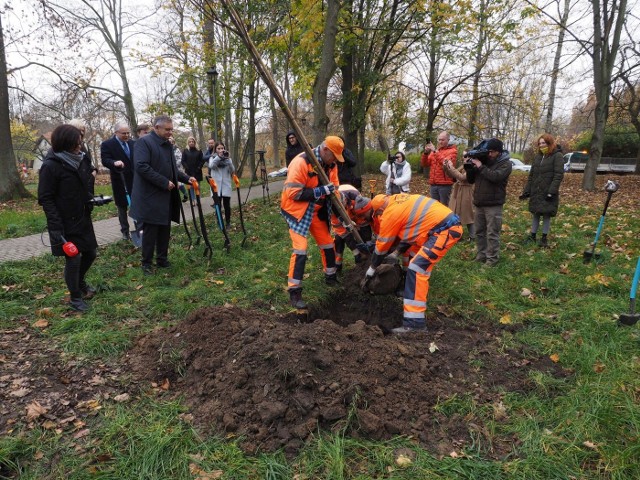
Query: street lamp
[[212, 73]]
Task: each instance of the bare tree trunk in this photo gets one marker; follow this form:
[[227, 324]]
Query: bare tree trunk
[[606, 41], [479, 62], [275, 132], [10, 184], [556, 67], [325, 72]]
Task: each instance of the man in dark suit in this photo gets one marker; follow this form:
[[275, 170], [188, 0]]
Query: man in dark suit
[[117, 156], [156, 201]]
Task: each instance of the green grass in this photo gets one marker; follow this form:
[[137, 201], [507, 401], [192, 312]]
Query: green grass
[[585, 426]]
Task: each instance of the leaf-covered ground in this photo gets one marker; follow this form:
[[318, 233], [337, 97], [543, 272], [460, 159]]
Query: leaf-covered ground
[[273, 381]]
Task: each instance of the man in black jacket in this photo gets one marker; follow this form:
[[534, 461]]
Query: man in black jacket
[[117, 155], [156, 201], [490, 173]]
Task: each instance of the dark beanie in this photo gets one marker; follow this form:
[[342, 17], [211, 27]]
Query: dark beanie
[[494, 144]]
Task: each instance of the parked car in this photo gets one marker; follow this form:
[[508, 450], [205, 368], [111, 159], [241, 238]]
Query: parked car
[[278, 173], [518, 165], [577, 161]]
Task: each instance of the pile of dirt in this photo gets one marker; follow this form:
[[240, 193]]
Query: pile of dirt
[[273, 381]]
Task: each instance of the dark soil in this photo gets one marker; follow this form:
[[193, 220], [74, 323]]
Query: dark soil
[[273, 381]]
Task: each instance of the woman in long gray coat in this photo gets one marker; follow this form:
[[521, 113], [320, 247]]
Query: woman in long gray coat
[[543, 186]]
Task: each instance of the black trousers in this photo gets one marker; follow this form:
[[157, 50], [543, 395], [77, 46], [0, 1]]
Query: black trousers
[[123, 219], [226, 202], [155, 237], [75, 268]]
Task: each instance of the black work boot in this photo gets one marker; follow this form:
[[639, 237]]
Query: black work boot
[[543, 241], [295, 298], [331, 279], [531, 238], [78, 304]]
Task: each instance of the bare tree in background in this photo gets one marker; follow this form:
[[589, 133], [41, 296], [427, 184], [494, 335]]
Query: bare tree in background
[[10, 184]]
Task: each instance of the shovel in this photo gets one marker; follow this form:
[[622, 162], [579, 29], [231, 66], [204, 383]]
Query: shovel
[[216, 204], [244, 231], [193, 213], [136, 235], [632, 317], [203, 227], [611, 187]]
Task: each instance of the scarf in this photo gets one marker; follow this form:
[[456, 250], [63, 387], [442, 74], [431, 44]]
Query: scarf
[[71, 159]]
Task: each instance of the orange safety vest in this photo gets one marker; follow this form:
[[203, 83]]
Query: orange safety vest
[[301, 175], [408, 219]]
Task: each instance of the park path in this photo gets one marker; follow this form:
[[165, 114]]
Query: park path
[[108, 231]]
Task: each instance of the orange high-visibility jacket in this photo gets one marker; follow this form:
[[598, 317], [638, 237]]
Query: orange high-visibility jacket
[[408, 219], [297, 191]]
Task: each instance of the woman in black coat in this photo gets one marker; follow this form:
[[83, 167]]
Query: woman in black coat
[[543, 186], [192, 162], [65, 191]]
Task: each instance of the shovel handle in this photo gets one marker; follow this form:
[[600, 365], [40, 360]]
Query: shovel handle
[[634, 283], [196, 187], [236, 181], [213, 184]]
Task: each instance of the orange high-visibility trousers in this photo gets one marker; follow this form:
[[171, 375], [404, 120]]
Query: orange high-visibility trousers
[[319, 230], [416, 287]]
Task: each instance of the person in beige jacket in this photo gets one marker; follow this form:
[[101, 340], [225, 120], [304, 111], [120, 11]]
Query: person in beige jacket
[[461, 201]]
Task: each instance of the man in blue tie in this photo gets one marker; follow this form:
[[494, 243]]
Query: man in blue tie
[[117, 155]]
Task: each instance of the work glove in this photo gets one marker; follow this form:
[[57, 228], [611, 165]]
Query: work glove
[[323, 190], [524, 196], [364, 284], [391, 259], [549, 197], [358, 257], [366, 248]]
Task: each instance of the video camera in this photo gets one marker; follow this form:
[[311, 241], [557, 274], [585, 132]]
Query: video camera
[[99, 200], [391, 158], [225, 154]]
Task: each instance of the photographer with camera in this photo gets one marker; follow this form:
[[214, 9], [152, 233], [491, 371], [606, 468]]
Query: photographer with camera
[[65, 191], [222, 171], [488, 167], [440, 183], [398, 172]]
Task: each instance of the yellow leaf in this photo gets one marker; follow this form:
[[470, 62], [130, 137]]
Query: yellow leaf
[[218, 282], [506, 320], [555, 358]]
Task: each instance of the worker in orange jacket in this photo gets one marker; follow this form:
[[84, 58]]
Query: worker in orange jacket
[[412, 222], [306, 207], [357, 207], [440, 182]]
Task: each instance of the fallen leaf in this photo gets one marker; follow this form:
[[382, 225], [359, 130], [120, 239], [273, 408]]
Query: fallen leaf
[[433, 347], [403, 461], [42, 323], [81, 433], [123, 397], [34, 410], [44, 312], [506, 319], [555, 358], [598, 367], [454, 454], [19, 393], [590, 445], [219, 282], [165, 384], [139, 287], [525, 292]]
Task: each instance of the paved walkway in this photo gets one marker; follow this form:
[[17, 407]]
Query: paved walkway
[[108, 231]]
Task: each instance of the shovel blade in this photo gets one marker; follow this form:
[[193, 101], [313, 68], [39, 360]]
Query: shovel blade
[[629, 318], [136, 238]]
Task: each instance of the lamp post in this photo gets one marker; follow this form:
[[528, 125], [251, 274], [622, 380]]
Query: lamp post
[[213, 77]]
